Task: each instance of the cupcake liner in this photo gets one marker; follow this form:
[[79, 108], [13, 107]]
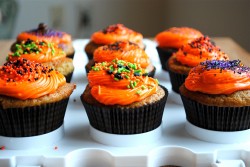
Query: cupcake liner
[[71, 55], [176, 80], [164, 55], [69, 77], [89, 55], [125, 120], [32, 121], [217, 118], [152, 73]]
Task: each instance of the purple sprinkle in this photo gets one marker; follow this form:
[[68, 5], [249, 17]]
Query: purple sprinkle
[[233, 65], [47, 33]]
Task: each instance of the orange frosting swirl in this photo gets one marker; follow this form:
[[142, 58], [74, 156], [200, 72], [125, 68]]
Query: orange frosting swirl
[[43, 33], [121, 83], [24, 79], [218, 77], [117, 32], [39, 52], [199, 50], [175, 37], [123, 50]]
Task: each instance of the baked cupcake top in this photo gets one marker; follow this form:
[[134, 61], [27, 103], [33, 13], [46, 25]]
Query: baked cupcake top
[[40, 52], [24, 79], [121, 83], [123, 50], [43, 33], [218, 77], [175, 37], [117, 32], [199, 50]]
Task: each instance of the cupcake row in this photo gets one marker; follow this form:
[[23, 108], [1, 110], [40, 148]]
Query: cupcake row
[[214, 89], [121, 96], [35, 83]]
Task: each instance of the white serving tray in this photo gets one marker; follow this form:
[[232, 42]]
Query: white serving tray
[[170, 144]]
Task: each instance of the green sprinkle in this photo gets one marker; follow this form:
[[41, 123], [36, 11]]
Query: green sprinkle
[[133, 66], [132, 84], [37, 52], [53, 51], [126, 76], [121, 62], [138, 92], [128, 87], [111, 68], [104, 63], [157, 81], [120, 70], [16, 54], [135, 84], [116, 79], [143, 87], [137, 71], [95, 68]]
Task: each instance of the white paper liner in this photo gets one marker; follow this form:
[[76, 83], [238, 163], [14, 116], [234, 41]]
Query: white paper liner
[[33, 142], [125, 140], [218, 136]]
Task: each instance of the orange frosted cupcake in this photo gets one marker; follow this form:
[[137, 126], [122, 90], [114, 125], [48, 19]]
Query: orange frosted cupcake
[[43, 33], [189, 56], [33, 98], [44, 52], [123, 50], [216, 95], [170, 40], [112, 34], [123, 102]]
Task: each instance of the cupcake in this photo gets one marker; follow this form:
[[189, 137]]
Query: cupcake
[[189, 56], [112, 34], [33, 98], [170, 40], [123, 50], [44, 52], [126, 101], [216, 96], [43, 33]]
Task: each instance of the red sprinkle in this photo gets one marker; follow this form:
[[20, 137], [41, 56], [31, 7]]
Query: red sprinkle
[[2, 147]]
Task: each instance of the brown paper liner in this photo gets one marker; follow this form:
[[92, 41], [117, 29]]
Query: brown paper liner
[[69, 77], [71, 55], [125, 120], [217, 118], [164, 55], [176, 80], [32, 121]]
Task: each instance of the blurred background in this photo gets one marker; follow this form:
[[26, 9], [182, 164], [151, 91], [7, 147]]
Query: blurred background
[[81, 18]]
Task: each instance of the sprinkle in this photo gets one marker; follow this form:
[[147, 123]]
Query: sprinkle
[[234, 65], [139, 92], [95, 68], [2, 148]]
